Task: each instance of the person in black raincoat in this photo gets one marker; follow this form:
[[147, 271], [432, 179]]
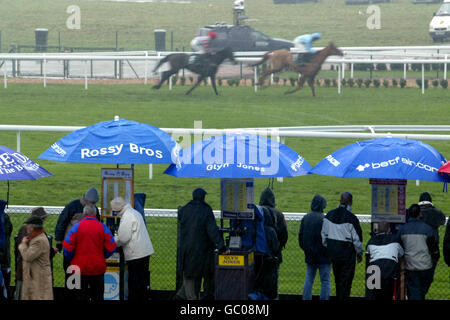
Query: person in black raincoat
[[6, 229], [199, 237], [273, 218]]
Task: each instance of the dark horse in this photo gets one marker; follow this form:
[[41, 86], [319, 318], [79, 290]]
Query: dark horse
[[284, 59], [207, 66]]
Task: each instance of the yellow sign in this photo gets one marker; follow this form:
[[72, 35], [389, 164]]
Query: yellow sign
[[112, 269], [231, 260]]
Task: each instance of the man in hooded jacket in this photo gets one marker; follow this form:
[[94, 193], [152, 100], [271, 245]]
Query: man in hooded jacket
[[316, 255], [199, 237], [267, 200]]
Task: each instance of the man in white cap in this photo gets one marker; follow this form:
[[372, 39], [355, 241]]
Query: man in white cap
[[64, 221], [133, 237]]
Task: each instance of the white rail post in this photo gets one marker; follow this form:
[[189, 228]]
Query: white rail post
[[45, 71], [18, 141], [146, 68], [256, 78], [343, 70], [423, 78], [271, 79], [339, 78], [170, 83], [351, 70], [5, 78], [404, 71], [445, 68], [150, 171], [85, 75]]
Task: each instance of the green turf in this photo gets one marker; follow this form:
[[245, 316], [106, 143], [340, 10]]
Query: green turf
[[402, 23], [235, 107]]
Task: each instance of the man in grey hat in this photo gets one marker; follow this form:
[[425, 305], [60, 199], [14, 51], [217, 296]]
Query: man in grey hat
[[37, 212], [64, 221]]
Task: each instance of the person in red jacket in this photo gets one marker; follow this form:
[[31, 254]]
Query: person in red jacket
[[87, 246]]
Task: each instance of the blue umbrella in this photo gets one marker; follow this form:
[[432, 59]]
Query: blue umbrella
[[384, 158], [16, 166], [239, 156], [118, 141]]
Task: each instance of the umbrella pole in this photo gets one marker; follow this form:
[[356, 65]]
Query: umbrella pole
[[7, 196]]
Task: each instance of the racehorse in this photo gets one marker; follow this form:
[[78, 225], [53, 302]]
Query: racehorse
[[282, 59], [206, 66]]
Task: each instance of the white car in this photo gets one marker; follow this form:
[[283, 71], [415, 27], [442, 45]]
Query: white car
[[440, 24]]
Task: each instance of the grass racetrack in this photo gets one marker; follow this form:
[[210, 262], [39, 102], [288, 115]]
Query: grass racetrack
[[402, 22], [71, 105]]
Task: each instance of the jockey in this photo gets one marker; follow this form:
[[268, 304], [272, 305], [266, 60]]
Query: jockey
[[202, 45], [304, 44]]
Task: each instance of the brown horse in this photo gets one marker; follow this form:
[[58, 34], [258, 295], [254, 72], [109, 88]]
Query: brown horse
[[283, 59]]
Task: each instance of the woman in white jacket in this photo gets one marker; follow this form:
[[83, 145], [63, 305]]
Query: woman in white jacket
[[137, 247]]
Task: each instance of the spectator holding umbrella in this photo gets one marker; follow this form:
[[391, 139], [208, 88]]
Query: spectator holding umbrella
[[133, 237], [342, 235], [37, 283], [316, 255], [87, 246], [421, 254]]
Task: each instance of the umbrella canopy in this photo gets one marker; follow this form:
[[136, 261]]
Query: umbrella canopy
[[445, 168], [118, 141], [239, 156], [16, 166], [384, 158]]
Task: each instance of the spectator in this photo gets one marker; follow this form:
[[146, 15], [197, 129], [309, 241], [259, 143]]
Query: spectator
[[430, 214], [72, 211], [35, 212], [6, 229], [86, 246], [421, 254], [384, 251], [316, 256], [446, 246], [36, 270], [266, 257], [199, 237], [133, 237], [267, 200], [342, 235]]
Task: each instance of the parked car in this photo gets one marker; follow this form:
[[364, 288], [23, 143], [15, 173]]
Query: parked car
[[440, 24], [243, 38]]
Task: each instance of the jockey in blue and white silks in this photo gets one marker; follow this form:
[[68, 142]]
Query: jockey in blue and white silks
[[304, 42]]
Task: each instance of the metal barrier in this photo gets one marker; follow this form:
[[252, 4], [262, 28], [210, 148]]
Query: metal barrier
[[441, 57], [162, 227]]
